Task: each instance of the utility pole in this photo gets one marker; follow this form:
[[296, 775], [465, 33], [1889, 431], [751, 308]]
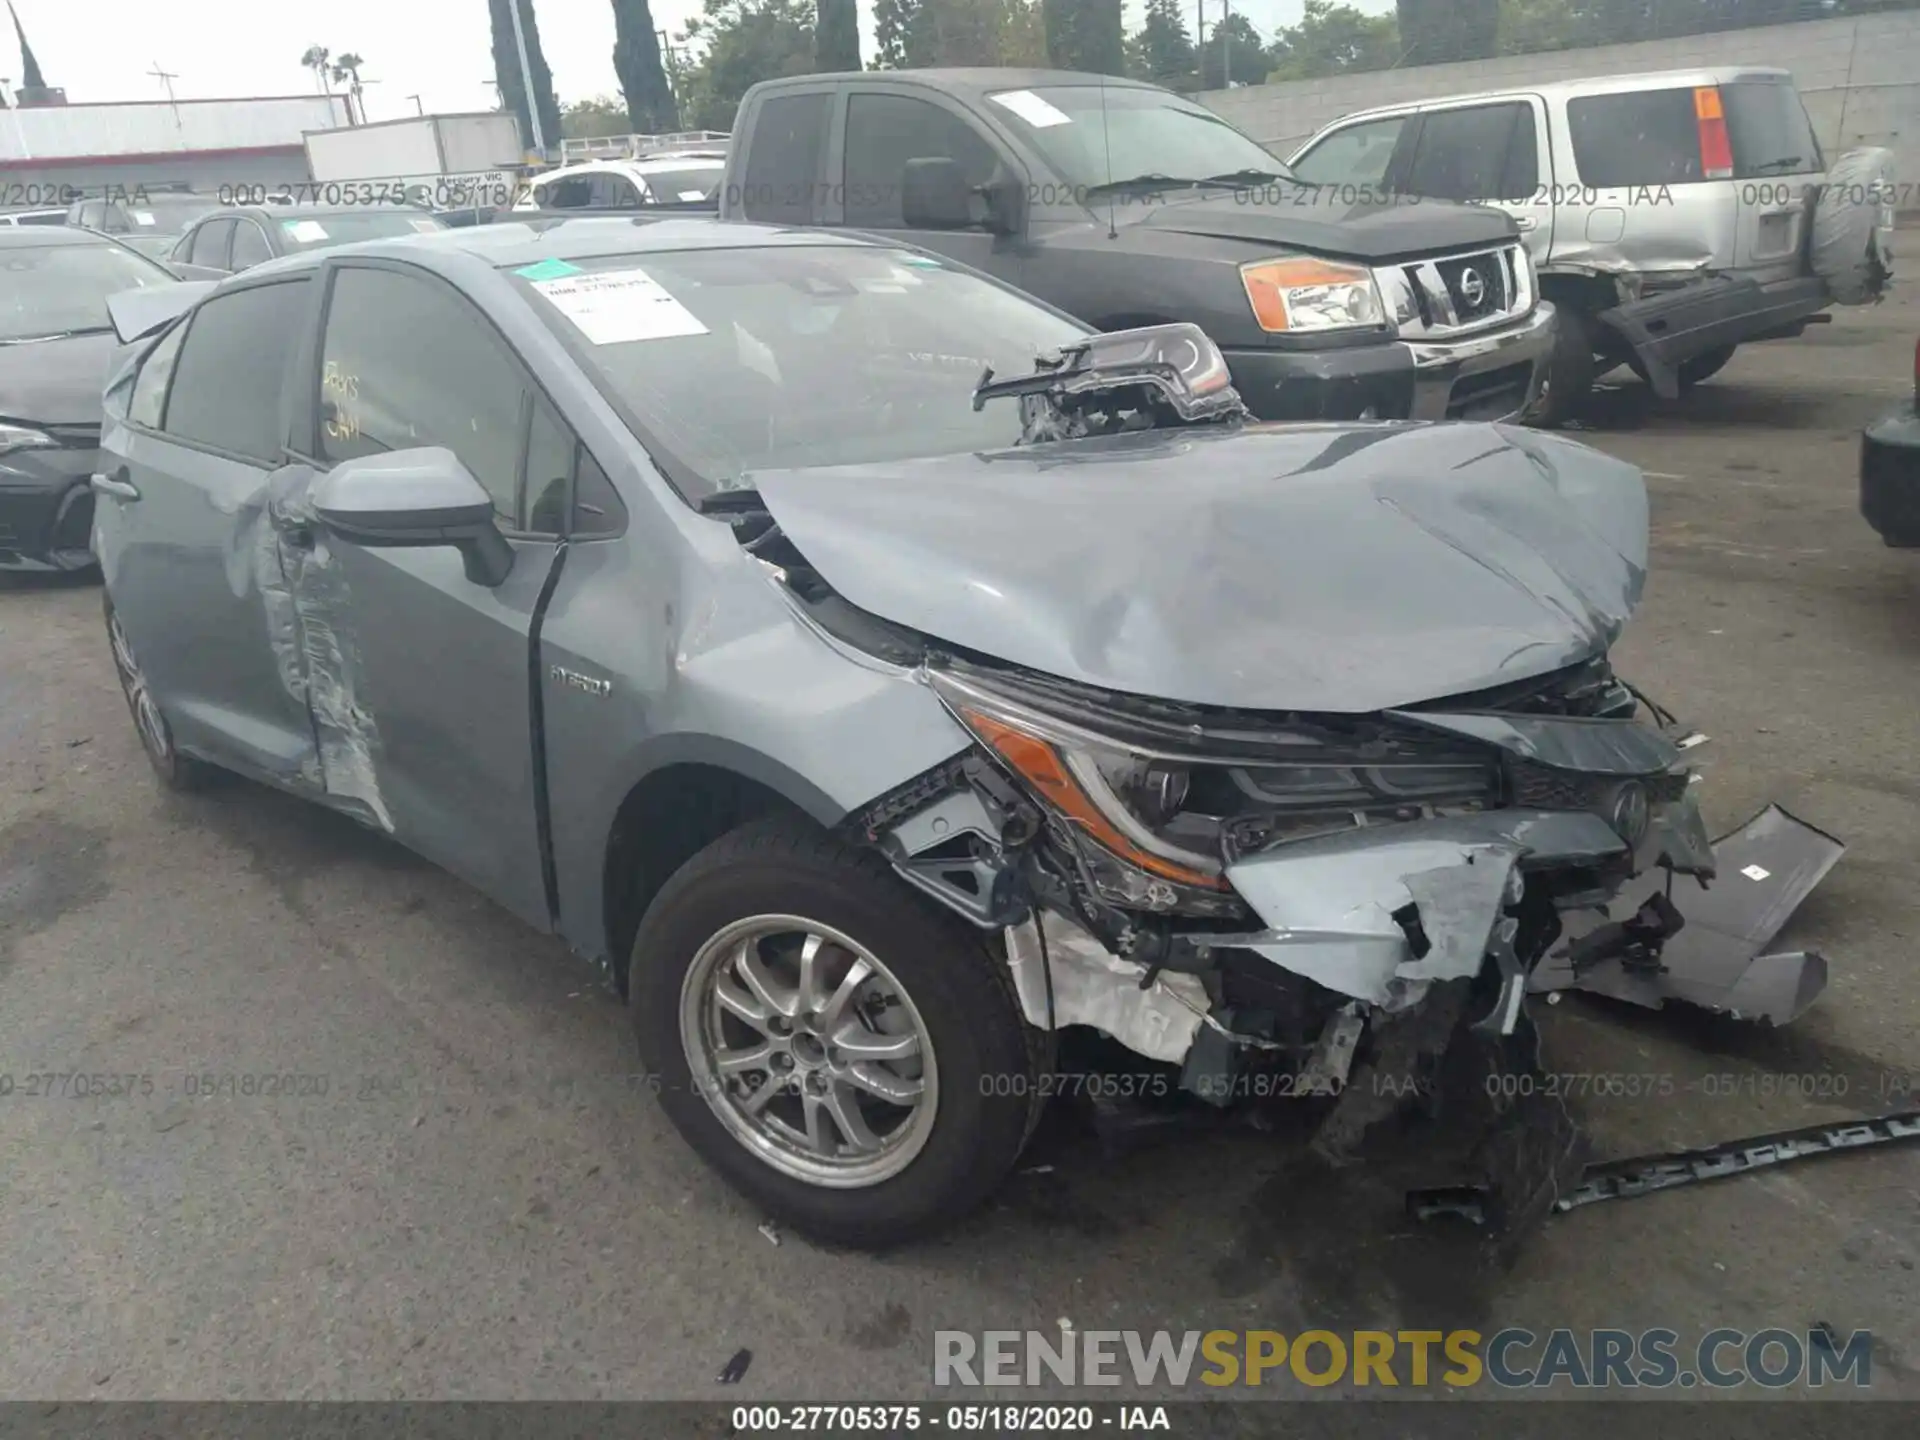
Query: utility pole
[[673, 64], [526, 80], [1226, 45], [166, 78]]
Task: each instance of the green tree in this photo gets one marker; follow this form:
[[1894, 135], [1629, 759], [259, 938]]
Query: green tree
[[1085, 35], [836, 36], [506, 72], [1334, 39], [915, 33], [892, 31], [1163, 45], [601, 115], [1527, 26], [651, 108], [741, 43], [1436, 31], [1234, 51]]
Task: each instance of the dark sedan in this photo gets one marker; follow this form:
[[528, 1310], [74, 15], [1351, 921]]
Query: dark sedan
[[1890, 470], [55, 345], [148, 222], [237, 239]]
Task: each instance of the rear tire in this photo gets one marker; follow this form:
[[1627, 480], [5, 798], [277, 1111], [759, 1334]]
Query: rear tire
[[742, 922], [176, 771], [1570, 370]]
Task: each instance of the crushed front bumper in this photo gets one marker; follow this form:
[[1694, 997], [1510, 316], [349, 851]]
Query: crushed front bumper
[[46, 508], [1666, 329]]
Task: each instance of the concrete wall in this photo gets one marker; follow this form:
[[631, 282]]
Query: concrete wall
[[1860, 79]]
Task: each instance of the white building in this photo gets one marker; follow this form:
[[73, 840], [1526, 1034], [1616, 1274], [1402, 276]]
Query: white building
[[48, 151]]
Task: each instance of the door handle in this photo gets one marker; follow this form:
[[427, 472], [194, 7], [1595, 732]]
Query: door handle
[[117, 485], [1525, 222]]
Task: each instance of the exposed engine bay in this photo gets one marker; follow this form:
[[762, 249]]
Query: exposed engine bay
[[1280, 901]]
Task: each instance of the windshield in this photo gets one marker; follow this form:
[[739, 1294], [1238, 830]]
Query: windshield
[[757, 359], [1094, 134], [60, 289], [157, 214], [316, 232]]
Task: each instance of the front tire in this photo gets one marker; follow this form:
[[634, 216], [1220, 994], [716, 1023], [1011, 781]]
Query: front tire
[[850, 1059], [1570, 370], [1703, 367]]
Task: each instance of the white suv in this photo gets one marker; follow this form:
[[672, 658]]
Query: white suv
[[683, 179], [1669, 215]]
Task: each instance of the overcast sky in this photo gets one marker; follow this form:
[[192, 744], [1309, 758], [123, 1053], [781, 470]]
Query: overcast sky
[[436, 49]]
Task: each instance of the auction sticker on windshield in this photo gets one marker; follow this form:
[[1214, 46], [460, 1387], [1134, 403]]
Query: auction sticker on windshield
[[307, 232], [615, 306], [1031, 108]]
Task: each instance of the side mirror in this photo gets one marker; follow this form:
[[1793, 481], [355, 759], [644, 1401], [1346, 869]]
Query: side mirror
[[1004, 196], [413, 498], [935, 195]]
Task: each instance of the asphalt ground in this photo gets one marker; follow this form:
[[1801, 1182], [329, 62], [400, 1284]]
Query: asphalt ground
[[484, 1205]]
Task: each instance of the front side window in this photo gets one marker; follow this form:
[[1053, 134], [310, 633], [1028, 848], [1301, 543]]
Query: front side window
[[783, 160], [737, 360], [408, 362], [53, 290], [1092, 134], [886, 131], [1358, 155], [228, 377]]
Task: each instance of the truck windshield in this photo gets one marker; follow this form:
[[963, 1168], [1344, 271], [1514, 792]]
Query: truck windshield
[[740, 360], [1097, 135]]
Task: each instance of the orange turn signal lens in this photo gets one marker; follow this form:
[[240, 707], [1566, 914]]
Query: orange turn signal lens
[[1269, 283], [1040, 765]]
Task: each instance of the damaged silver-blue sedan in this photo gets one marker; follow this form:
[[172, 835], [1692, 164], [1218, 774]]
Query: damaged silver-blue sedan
[[876, 673]]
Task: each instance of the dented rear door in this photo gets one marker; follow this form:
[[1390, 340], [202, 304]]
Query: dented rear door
[[188, 548]]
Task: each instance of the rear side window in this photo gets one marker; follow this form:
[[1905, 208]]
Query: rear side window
[[249, 245], [1464, 154], [1641, 137], [210, 244], [783, 158], [1769, 129], [227, 379], [148, 403]]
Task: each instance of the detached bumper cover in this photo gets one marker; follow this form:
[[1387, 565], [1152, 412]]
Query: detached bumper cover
[[1673, 326], [1719, 960]]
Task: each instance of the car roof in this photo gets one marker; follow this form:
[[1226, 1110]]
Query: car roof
[[508, 243], [1562, 90], [308, 212], [964, 80], [20, 237]]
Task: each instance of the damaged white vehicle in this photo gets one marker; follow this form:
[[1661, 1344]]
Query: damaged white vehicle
[[877, 673]]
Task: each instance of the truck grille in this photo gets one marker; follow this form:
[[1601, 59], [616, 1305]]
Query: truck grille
[[1455, 294]]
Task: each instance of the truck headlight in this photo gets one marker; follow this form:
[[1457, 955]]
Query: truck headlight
[[1304, 295]]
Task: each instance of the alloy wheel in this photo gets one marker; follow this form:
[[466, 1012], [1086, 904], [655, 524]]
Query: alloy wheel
[[147, 719], [809, 1051]]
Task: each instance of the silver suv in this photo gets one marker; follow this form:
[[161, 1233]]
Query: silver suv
[[1669, 215], [687, 589]]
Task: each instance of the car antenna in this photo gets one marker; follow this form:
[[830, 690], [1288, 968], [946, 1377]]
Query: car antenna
[[1106, 142]]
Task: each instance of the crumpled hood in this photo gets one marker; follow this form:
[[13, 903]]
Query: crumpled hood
[[1289, 219], [55, 382], [1335, 568]]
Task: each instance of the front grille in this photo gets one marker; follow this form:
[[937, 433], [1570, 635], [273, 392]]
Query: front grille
[[1541, 787], [1478, 286], [1455, 294]]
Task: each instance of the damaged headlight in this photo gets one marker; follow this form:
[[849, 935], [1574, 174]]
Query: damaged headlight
[[1163, 826]]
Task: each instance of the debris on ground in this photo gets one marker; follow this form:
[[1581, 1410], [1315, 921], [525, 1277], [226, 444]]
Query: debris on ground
[[771, 1231], [736, 1368]]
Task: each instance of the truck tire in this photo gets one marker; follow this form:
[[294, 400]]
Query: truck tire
[[851, 1059], [1570, 370], [1850, 246]]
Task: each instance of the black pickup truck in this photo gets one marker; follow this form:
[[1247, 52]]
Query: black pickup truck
[[1124, 204]]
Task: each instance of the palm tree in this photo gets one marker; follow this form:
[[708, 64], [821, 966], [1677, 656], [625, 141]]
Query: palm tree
[[315, 59], [346, 70]]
